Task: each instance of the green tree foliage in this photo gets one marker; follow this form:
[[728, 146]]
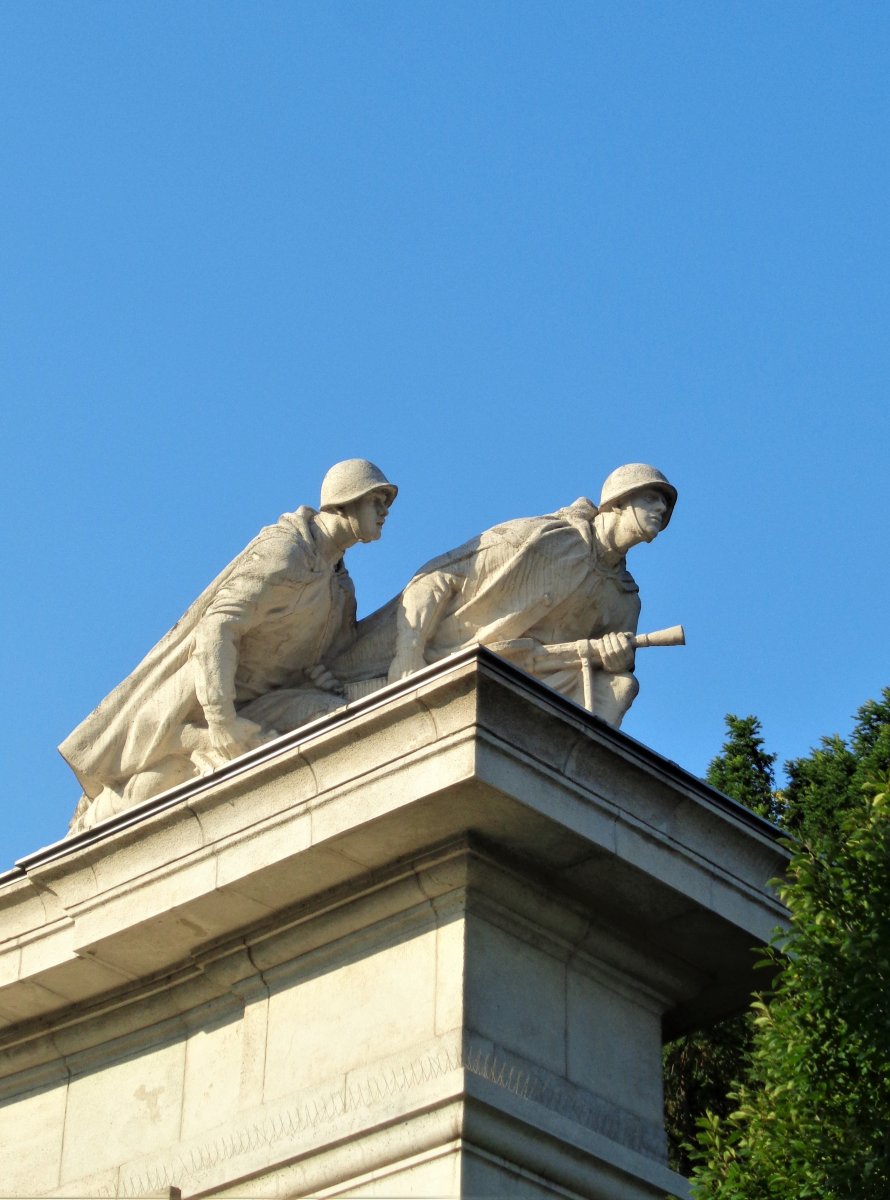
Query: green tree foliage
[[811, 1121], [819, 791], [823, 807], [699, 1068], [828, 782], [743, 769]]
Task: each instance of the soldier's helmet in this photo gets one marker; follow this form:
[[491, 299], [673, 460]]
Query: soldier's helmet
[[350, 480], [637, 477]]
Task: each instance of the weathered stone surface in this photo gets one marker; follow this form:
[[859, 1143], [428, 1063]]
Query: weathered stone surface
[[550, 593], [412, 948], [272, 643], [247, 661]]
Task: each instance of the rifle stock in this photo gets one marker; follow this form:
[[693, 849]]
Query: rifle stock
[[573, 652]]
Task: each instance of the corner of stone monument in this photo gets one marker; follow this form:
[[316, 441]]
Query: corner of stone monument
[[427, 944]]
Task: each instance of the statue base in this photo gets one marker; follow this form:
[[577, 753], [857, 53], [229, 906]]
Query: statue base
[[428, 945]]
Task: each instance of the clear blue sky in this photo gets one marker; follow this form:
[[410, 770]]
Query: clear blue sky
[[499, 248]]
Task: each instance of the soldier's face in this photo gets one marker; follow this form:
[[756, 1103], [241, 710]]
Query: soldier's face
[[649, 508], [641, 517], [368, 514]]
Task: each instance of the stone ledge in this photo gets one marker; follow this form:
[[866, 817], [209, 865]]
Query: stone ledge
[[472, 744], [462, 879]]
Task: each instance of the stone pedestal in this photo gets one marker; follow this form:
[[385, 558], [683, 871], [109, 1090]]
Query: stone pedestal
[[426, 946]]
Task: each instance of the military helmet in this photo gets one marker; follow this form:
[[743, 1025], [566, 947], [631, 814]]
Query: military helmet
[[350, 480], [637, 477]]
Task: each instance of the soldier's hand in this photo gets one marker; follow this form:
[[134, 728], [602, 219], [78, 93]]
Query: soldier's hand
[[234, 736], [322, 678], [615, 651]]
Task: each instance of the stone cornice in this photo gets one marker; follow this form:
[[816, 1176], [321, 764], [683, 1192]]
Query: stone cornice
[[469, 745]]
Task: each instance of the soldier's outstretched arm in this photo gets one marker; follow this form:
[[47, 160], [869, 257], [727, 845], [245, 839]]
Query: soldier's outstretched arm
[[423, 604], [238, 607]]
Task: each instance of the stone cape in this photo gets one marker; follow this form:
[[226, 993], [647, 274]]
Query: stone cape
[[534, 576], [142, 721]]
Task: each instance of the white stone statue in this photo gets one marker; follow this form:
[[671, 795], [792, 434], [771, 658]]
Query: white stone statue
[[552, 593], [247, 661]]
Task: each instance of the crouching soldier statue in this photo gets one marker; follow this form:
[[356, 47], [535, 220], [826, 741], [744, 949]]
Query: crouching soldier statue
[[552, 593], [247, 661]]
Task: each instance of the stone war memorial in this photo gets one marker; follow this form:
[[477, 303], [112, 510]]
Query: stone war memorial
[[378, 908]]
